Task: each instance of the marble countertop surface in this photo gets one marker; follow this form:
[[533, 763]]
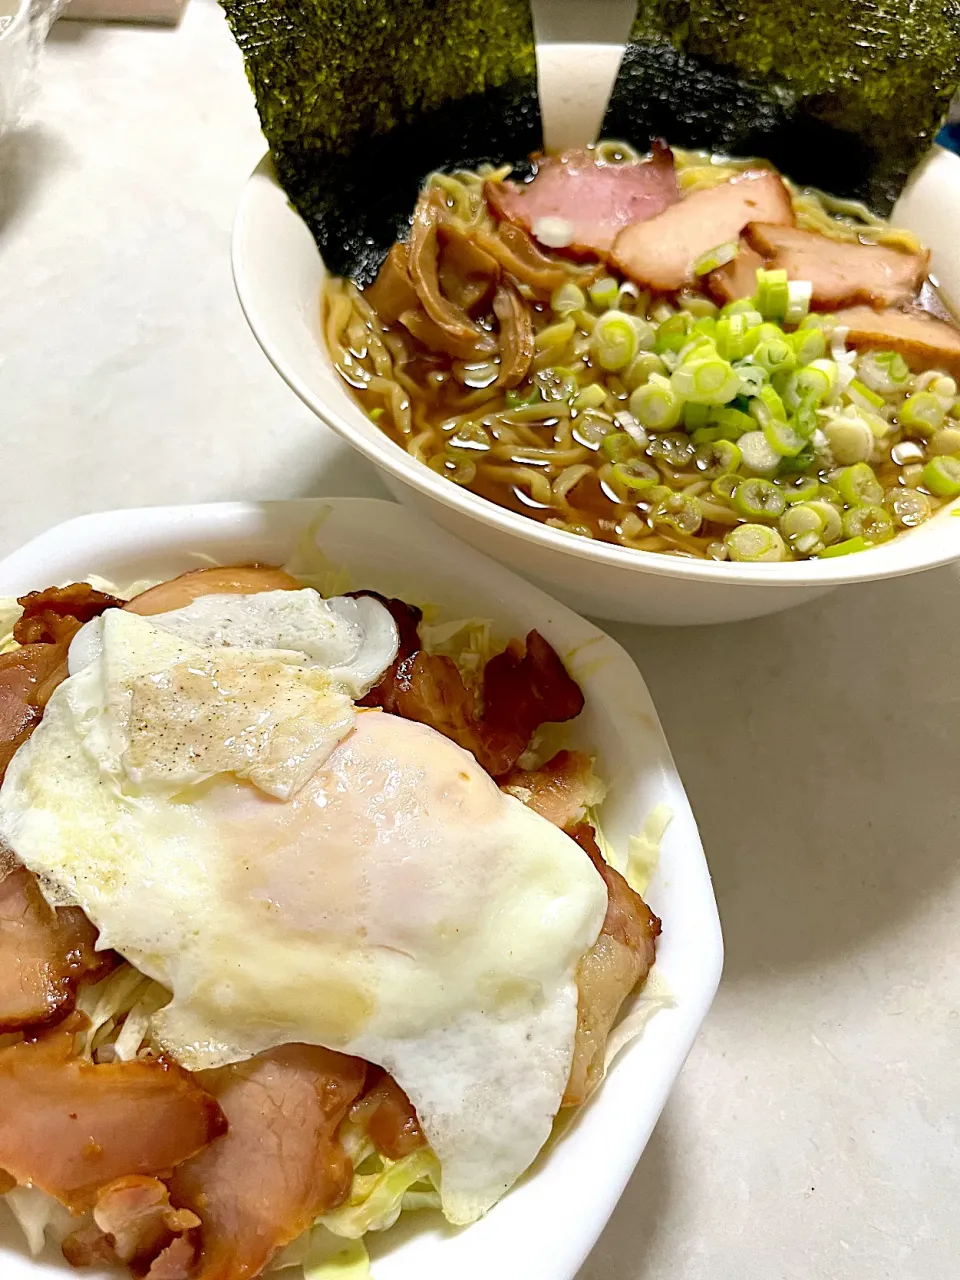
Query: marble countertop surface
[[813, 1132]]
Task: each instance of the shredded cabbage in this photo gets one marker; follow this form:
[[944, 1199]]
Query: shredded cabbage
[[331, 1257], [652, 997], [310, 566], [377, 1199], [39, 1215], [119, 1009], [468, 641], [643, 850]]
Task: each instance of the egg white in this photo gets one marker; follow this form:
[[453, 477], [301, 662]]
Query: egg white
[[386, 899]]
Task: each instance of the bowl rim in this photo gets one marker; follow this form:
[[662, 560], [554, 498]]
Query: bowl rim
[[384, 453]]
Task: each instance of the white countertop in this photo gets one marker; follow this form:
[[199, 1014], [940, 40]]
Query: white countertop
[[814, 1131]]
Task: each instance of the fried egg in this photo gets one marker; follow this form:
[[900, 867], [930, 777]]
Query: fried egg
[[294, 869]]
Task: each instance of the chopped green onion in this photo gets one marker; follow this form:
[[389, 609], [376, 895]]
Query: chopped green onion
[[752, 379], [757, 453], [730, 333], [941, 476], [640, 369], [810, 378], [921, 414], [773, 293], [591, 428], [858, 484], [802, 526], [758, 499], [738, 307], [799, 464], [808, 345], [568, 298], [844, 548], [830, 516], [555, 335], [868, 521], [799, 488], [775, 355], [811, 383], [695, 416], [618, 446], [883, 371], [850, 439], [947, 440], [938, 384], [603, 293], [766, 405], [755, 543], [661, 312], [614, 341], [725, 486], [862, 396], [908, 507], [637, 475], [782, 438], [706, 325], [656, 405], [717, 257], [799, 293], [819, 321], [722, 457], [698, 305], [672, 334], [650, 497], [732, 422], [705, 435], [805, 420], [675, 448], [706, 380], [591, 397], [679, 512]]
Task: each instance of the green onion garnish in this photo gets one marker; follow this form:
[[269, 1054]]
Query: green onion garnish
[[680, 512], [603, 293], [706, 380], [656, 405], [869, 521], [941, 476], [773, 293], [755, 544], [614, 341], [921, 414], [636, 475], [717, 257], [568, 298], [858, 484], [799, 293], [844, 548], [758, 499], [591, 397]]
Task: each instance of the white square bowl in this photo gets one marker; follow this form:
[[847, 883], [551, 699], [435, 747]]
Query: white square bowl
[[545, 1227]]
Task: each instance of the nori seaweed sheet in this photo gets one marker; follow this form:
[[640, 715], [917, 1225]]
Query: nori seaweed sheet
[[846, 98], [361, 99]]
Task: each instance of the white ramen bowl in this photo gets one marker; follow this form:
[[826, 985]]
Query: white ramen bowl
[[545, 1227], [279, 276]]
